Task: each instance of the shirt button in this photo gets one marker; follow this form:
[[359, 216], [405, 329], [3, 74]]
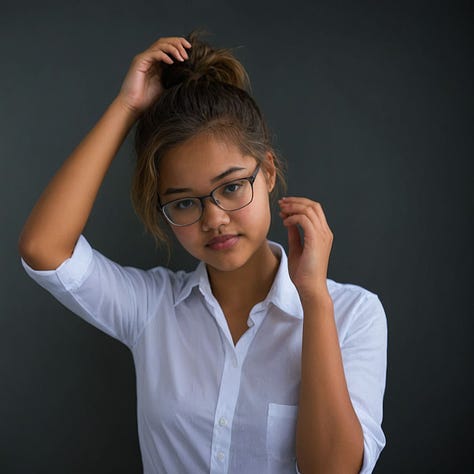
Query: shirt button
[[220, 456], [234, 363], [223, 421]]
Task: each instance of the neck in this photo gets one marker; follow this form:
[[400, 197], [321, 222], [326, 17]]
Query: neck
[[248, 285]]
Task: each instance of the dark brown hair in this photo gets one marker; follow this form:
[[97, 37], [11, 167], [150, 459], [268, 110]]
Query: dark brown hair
[[208, 93]]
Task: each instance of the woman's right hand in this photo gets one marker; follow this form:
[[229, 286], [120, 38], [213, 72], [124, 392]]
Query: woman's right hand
[[142, 84]]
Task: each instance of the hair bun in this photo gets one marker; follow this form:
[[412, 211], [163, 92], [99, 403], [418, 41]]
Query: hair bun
[[205, 63]]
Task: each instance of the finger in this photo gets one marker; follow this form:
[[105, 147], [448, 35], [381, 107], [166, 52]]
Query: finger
[[183, 44], [171, 39], [149, 57], [179, 44], [309, 231], [172, 49], [298, 208], [162, 56], [288, 203], [159, 55], [174, 45], [318, 208], [294, 242], [299, 199]]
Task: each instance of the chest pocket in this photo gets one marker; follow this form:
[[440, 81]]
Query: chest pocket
[[281, 431]]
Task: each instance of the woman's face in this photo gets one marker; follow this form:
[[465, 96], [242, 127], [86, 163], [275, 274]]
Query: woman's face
[[190, 170]]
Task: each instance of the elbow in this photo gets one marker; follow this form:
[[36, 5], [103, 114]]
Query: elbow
[[24, 246], [27, 245], [41, 258], [28, 254]]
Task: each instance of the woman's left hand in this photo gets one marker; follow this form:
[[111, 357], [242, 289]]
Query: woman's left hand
[[308, 259]]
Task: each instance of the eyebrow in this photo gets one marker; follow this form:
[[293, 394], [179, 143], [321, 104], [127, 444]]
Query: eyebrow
[[231, 170]]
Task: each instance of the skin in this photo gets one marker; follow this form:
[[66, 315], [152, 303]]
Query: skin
[[329, 437], [59, 216], [242, 275]]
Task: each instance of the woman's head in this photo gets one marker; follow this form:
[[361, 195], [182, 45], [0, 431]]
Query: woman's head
[[204, 98]]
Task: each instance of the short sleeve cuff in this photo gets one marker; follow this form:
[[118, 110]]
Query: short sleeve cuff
[[70, 274], [368, 462]]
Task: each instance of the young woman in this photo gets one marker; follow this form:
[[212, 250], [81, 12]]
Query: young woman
[[255, 362]]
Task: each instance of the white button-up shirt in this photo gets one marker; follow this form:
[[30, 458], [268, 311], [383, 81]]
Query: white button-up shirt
[[205, 405]]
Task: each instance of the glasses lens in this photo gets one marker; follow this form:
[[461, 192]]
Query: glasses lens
[[230, 197], [234, 195], [183, 211]]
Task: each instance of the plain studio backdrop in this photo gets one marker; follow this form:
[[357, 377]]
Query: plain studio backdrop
[[370, 102]]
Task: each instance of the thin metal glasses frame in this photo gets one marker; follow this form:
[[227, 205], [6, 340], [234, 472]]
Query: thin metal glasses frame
[[250, 179]]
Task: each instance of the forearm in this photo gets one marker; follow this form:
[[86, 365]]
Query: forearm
[[61, 212], [329, 437]]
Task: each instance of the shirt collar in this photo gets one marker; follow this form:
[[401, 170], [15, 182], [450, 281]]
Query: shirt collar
[[282, 294], [197, 278]]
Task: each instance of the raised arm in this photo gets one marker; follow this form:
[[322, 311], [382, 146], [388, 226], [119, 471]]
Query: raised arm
[[60, 214]]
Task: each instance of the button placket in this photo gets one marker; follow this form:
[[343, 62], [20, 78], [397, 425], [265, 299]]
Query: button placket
[[225, 409], [229, 392]]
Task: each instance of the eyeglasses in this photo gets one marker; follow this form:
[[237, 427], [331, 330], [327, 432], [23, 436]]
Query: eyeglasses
[[229, 196]]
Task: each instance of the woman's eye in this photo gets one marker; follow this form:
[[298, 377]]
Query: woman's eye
[[184, 204], [232, 187]]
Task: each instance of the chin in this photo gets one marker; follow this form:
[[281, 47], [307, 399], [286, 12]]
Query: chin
[[225, 261], [224, 265], [231, 260]]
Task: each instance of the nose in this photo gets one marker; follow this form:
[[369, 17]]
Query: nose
[[213, 216]]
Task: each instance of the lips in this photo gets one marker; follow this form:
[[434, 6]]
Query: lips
[[222, 242]]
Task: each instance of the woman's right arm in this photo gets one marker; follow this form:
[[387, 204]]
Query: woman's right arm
[[60, 214]]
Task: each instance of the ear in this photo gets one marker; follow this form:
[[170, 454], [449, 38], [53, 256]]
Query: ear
[[269, 170]]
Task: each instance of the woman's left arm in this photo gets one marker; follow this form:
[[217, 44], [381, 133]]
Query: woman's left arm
[[329, 436]]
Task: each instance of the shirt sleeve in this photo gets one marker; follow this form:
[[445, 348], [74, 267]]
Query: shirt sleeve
[[115, 299], [364, 354]]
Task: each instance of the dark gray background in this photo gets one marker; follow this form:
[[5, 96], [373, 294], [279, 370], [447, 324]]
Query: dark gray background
[[371, 103]]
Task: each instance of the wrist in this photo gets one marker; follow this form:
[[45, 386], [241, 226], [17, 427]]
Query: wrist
[[318, 295], [131, 114]]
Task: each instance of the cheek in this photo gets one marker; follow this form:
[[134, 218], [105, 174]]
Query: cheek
[[258, 214], [245, 214], [185, 235]]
